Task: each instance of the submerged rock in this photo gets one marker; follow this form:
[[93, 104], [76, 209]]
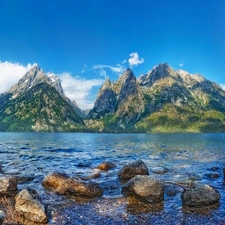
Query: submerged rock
[[29, 205], [146, 187], [8, 186], [63, 184], [200, 196], [212, 175], [106, 165], [159, 170], [169, 189], [130, 170], [2, 216]]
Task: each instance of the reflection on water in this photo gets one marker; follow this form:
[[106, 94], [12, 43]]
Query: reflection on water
[[188, 157]]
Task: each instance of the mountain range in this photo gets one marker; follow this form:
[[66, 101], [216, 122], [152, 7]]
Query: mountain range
[[162, 100]]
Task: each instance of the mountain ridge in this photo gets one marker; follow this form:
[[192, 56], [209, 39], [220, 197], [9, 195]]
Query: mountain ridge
[[162, 100]]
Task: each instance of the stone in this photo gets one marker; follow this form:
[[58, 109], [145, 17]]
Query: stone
[[55, 179], [106, 165], [200, 196], [146, 187], [29, 205], [95, 174], [8, 186], [2, 216], [63, 184], [170, 190], [159, 170], [212, 175], [137, 167]]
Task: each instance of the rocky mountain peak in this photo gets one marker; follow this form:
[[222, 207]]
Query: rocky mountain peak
[[158, 72], [33, 77]]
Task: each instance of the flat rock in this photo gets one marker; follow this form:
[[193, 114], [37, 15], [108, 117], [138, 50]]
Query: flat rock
[[8, 186], [2, 216], [146, 187], [29, 205], [130, 170], [106, 165], [63, 184], [200, 196]]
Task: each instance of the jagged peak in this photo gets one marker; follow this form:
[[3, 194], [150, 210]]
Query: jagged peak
[[156, 73]]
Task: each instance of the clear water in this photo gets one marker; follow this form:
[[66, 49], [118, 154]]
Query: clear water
[[188, 157]]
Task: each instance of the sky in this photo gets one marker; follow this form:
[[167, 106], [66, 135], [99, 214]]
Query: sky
[[86, 41]]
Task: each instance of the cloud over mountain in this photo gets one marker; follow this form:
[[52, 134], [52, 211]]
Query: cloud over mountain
[[10, 73]]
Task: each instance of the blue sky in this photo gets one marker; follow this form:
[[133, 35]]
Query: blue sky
[[87, 40]]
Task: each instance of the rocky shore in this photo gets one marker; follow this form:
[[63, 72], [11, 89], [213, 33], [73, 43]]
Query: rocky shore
[[139, 189]]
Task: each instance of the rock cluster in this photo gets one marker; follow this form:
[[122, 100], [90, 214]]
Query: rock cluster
[[140, 186]]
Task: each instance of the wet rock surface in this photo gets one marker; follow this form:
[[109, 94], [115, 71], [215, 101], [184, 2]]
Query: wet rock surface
[[169, 189], [159, 170], [8, 186], [106, 165], [29, 205], [63, 184], [200, 196], [132, 169], [145, 187]]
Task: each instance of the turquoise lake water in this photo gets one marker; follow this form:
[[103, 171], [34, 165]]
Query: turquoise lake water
[[188, 158]]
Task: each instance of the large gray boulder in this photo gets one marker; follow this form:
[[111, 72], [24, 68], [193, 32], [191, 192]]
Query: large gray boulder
[[200, 196], [29, 205], [8, 186], [130, 170], [2, 216], [63, 184], [145, 187]]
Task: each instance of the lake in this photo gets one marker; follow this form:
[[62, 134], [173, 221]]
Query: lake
[[189, 158]]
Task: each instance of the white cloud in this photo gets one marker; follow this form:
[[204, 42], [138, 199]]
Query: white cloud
[[181, 64], [10, 73], [79, 89], [222, 86], [134, 59], [102, 69]]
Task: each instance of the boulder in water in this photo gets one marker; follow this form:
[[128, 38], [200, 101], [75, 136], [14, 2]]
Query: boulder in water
[[146, 187], [159, 170], [29, 205], [200, 196], [130, 170], [63, 184]]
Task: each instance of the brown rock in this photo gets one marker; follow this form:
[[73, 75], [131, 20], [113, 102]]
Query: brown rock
[[137, 167], [8, 186], [63, 184], [106, 165], [29, 205]]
